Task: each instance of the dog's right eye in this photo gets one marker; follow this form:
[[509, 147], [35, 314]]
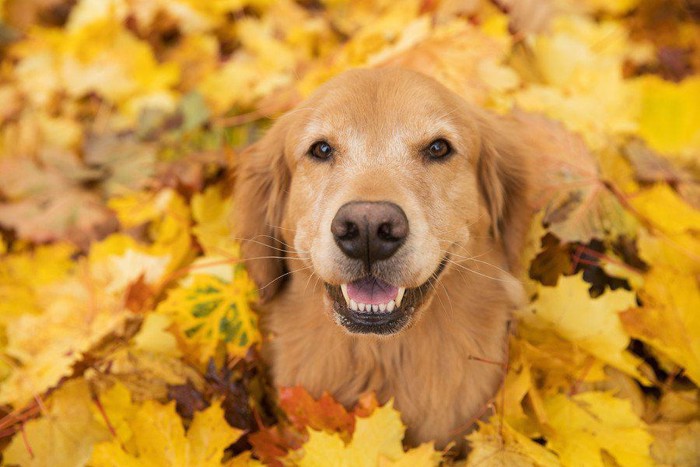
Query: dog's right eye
[[321, 150]]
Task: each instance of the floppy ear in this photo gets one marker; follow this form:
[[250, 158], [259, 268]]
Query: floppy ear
[[262, 180], [504, 181]]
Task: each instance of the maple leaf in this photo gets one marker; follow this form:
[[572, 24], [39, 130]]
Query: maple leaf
[[45, 203], [211, 211], [152, 434], [579, 82], [591, 426], [208, 310], [376, 441], [579, 204], [322, 414], [149, 365], [64, 435], [666, 210], [24, 275], [497, 444], [670, 115], [591, 323], [167, 220], [669, 321], [75, 316], [126, 164]]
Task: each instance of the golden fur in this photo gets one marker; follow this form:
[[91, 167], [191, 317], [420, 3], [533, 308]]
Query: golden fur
[[443, 368]]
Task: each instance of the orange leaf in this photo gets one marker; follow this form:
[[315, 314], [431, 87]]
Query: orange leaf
[[324, 414]]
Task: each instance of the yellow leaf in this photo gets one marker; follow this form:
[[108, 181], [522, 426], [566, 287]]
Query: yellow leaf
[[669, 320], [423, 455], [209, 434], [666, 210], [168, 219], [24, 275], [679, 252], [62, 437], [591, 323], [154, 337], [670, 116], [148, 375], [118, 410], [209, 310], [581, 62], [587, 425], [615, 7], [76, 315], [211, 212], [158, 438], [376, 441], [496, 445], [244, 459]]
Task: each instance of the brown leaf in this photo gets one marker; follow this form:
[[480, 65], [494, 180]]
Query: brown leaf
[[45, 201], [188, 399], [139, 296], [551, 262], [651, 167], [125, 162]]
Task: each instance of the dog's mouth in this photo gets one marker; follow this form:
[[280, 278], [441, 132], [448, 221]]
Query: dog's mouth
[[371, 305]]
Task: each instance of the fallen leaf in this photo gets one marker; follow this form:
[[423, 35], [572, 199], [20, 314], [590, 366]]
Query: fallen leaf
[[668, 319], [322, 414], [376, 440], [75, 317], [592, 323], [209, 310], [64, 435], [670, 116], [588, 427], [497, 444], [676, 443], [158, 438]]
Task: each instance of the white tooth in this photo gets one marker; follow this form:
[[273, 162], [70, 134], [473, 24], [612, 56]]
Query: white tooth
[[361, 306], [390, 306], [382, 307], [399, 296], [375, 308], [344, 289], [353, 305]]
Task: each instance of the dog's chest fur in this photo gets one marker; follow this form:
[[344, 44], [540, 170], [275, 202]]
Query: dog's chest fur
[[441, 372]]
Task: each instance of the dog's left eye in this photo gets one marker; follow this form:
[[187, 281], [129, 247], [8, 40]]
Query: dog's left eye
[[438, 149], [321, 150]]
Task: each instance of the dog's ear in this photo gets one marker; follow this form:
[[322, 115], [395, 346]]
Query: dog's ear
[[504, 180], [261, 186]]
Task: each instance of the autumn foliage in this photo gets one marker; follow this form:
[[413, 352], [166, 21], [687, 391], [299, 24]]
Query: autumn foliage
[[126, 331]]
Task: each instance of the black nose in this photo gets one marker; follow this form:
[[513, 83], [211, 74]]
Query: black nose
[[369, 231]]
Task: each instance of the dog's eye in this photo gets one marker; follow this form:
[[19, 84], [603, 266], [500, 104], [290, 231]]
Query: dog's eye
[[439, 149], [321, 150]]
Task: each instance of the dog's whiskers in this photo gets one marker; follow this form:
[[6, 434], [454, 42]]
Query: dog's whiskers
[[284, 275], [461, 266], [289, 248]]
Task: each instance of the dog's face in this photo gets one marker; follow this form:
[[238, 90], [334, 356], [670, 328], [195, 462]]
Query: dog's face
[[373, 184]]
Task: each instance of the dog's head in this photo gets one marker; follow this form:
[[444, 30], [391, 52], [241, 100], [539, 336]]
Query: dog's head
[[372, 184]]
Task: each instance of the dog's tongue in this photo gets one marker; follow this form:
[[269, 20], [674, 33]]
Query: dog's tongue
[[372, 290]]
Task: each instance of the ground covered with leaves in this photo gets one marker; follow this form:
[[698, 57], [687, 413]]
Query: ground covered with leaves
[[126, 332]]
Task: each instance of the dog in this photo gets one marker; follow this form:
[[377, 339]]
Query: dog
[[382, 221]]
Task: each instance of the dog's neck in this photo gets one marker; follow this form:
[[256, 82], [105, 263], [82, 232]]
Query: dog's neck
[[459, 342]]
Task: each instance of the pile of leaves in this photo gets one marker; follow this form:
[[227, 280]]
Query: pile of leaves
[[126, 332]]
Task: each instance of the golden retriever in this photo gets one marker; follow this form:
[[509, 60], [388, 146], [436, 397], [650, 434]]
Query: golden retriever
[[382, 221]]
